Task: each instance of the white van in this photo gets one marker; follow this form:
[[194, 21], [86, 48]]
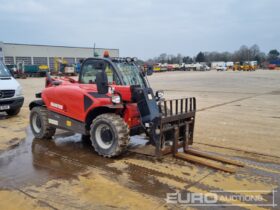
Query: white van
[[11, 98]]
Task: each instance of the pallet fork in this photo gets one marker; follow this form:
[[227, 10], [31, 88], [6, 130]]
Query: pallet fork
[[176, 133]]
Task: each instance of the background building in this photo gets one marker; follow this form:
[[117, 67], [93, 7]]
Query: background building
[[12, 53]]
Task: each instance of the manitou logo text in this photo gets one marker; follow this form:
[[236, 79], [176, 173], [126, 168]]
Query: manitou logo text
[[58, 106]]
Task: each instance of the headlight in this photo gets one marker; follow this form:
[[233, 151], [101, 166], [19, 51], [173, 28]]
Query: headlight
[[18, 91], [116, 99], [159, 94]]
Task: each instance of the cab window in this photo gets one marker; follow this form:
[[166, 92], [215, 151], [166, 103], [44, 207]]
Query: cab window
[[91, 68], [111, 75]]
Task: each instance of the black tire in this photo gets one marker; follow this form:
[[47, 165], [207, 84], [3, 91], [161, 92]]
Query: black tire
[[39, 123], [109, 135], [13, 112]]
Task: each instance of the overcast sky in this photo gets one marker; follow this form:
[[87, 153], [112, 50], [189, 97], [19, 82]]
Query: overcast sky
[[143, 28]]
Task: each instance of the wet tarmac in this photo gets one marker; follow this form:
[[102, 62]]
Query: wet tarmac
[[37, 161], [66, 157]]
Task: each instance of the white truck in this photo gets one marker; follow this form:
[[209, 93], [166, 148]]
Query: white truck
[[195, 67], [219, 66], [69, 70], [11, 97], [216, 64]]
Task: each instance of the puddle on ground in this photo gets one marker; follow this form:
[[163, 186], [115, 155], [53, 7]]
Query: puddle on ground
[[36, 161], [67, 156]]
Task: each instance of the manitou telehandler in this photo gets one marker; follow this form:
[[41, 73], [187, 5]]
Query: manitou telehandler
[[111, 101]]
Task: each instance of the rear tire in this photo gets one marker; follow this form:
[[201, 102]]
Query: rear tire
[[109, 135], [13, 112], [39, 123]]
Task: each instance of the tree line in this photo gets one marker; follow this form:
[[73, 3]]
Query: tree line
[[244, 53]]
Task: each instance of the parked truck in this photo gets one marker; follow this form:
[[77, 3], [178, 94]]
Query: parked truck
[[36, 70], [195, 67]]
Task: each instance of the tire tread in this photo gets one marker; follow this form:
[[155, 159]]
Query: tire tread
[[123, 134], [48, 130]]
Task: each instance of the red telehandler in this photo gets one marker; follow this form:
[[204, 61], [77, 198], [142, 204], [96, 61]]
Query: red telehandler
[[111, 101]]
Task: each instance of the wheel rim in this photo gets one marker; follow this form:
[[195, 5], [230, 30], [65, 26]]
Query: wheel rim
[[36, 123], [104, 136]]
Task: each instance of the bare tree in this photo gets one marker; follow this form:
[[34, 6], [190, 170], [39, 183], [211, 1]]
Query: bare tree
[[273, 55], [244, 53]]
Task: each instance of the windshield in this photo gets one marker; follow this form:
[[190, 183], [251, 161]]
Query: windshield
[[4, 72], [131, 75]]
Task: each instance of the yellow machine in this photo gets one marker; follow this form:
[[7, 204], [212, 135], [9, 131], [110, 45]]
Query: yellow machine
[[236, 66], [156, 68], [59, 64], [249, 66], [246, 66], [44, 68], [230, 68], [252, 67]]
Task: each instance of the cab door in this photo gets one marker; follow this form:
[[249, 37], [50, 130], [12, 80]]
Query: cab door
[[90, 69]]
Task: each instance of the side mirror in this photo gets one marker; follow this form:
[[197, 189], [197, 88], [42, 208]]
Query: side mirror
[[150, 71], [102, 82]]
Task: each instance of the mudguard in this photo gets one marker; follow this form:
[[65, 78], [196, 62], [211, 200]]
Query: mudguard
[[36, 103]]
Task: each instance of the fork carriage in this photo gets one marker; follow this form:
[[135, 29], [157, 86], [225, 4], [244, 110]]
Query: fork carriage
[[176, 125]]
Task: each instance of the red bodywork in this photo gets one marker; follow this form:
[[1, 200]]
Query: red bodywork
[[68, 99], [170, 67], [272, 66]]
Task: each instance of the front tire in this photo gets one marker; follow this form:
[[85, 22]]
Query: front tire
[[109, 135], [39, 123]]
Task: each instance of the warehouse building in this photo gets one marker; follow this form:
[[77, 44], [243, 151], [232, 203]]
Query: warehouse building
[[11, 53]]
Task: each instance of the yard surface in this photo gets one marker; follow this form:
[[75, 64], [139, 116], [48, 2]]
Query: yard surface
[[238, 117]]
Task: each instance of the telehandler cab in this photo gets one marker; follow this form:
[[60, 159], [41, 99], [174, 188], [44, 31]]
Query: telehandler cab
[[111, 101]]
